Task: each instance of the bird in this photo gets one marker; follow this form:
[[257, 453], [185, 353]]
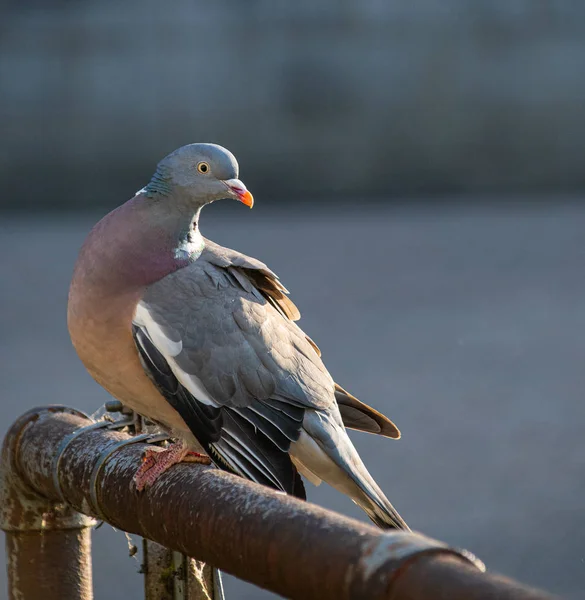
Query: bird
[[203, 341]]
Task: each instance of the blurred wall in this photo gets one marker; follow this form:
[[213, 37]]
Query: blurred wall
[[360, 97]]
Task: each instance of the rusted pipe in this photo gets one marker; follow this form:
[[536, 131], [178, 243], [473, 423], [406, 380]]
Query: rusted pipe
[[48, 544], [51, 564], [278, 542], [419, 580]]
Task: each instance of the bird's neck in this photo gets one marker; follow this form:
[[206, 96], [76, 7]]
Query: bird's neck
[[190, 244], [145, 242], [160, 184]]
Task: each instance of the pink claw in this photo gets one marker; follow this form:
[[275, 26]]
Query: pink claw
[[156, 461]]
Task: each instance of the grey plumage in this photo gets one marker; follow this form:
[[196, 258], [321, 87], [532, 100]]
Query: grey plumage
[[203, 340]]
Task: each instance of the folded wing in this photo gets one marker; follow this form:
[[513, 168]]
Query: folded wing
[[225, 355]]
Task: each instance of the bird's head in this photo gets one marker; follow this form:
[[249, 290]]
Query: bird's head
[[202, 173]]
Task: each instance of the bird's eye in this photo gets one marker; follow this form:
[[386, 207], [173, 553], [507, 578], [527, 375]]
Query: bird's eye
[[203, 167]]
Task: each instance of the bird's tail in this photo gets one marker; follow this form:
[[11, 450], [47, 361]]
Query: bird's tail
[[325, 452], [374, 503]]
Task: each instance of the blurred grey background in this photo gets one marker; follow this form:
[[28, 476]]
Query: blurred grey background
[[417, 168], [315, 97]]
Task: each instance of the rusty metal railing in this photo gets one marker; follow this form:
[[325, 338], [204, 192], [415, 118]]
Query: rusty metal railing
[[59, 472]]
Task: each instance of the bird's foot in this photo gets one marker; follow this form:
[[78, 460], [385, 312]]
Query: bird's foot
[[156, 461]]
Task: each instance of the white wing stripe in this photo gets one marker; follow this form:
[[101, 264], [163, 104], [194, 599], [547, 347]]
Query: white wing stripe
[[164, 345], [170, 349]]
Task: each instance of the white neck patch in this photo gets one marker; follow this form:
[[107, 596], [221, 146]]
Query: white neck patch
[[191, 248]]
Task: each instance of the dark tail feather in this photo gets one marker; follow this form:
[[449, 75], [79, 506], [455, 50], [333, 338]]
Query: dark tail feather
[[360, 416], [298, 486], [386, 519]]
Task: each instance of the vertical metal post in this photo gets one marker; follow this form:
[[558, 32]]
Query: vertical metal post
[[203, 581], [158, 571], [170, 575], [48, 545], [49, 564]]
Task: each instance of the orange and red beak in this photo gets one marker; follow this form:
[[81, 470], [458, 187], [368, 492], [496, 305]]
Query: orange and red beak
[[239, 190]]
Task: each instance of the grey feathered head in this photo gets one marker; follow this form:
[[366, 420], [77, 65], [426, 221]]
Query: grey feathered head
[[204, 172]]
